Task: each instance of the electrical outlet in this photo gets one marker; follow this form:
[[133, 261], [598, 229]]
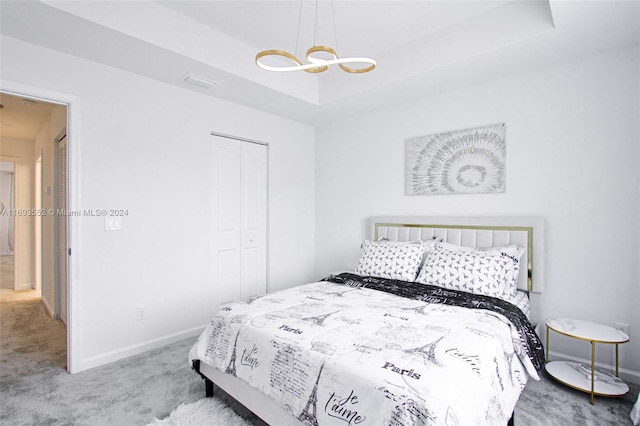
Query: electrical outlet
[[622, 327], [141, 312]]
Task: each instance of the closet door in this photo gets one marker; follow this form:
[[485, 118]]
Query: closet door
[[254, 220], [61, 229], [239, 194]]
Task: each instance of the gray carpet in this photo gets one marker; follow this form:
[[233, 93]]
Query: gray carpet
[[36, 390], [549, 403]]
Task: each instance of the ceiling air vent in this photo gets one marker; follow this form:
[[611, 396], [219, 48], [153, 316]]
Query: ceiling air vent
[[199, 81]]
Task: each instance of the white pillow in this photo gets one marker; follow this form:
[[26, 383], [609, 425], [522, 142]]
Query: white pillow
[[427, 245], [491, 272], [394, 261]]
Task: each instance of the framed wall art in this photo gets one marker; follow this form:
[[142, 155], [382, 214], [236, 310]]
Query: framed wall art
[[469, 161]]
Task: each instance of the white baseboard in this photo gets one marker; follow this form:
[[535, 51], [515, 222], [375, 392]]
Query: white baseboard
[[625, 374], [24, 286], [109, 357]]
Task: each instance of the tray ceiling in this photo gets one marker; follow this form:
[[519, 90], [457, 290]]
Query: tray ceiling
[[422, 47]]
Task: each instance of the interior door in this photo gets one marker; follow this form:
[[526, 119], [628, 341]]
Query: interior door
[[254, 219], [61, 228], [239, 204], [227, 211]]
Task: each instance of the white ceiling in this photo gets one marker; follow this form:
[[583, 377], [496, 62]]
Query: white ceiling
[[422, 47], [22, 118], [370, 27]]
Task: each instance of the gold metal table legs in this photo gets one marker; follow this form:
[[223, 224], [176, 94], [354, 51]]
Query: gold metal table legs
[[593, 371]]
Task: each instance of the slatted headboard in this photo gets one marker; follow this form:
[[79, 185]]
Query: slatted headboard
[[479, 232]]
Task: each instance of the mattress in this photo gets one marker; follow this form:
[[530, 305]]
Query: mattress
[[377, 351]]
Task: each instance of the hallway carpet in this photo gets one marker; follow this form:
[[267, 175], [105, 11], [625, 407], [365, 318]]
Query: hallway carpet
[[6, 271]]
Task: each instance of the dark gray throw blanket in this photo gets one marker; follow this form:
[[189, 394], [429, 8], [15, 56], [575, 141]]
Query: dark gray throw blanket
[[432, 294]]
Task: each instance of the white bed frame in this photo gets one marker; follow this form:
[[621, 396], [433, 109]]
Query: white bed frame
[[480, 232]]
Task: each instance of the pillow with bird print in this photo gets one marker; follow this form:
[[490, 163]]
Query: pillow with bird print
[[491, 272], [394, 261]]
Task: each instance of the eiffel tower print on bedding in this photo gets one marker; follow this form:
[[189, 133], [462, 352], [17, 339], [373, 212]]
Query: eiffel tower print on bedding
[[373, 351]]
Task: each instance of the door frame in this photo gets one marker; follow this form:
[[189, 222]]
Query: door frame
[[74, 360]]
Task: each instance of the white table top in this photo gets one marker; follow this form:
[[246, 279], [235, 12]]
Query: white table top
[[587, 330]]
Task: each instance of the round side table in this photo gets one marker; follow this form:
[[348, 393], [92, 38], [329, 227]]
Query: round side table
[[580, 376]]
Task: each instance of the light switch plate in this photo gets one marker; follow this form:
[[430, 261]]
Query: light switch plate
[[112, 223]]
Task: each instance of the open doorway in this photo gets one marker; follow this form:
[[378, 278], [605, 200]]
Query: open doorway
[[30, 133]]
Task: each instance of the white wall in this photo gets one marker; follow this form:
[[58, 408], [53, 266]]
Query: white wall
[[144, 146], [20, 151], [572, 157]]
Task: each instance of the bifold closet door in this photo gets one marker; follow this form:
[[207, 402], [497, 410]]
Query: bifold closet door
[[61, 230], [240, 218]]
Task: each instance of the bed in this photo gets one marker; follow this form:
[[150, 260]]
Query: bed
[[635, 412], [416, 334]]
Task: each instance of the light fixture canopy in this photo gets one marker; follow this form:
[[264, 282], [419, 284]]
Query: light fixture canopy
[[315, 63]]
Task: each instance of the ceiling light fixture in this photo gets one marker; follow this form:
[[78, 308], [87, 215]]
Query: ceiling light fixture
[[319, 57]]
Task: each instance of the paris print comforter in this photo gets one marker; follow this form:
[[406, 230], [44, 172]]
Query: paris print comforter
[[370, 351]]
